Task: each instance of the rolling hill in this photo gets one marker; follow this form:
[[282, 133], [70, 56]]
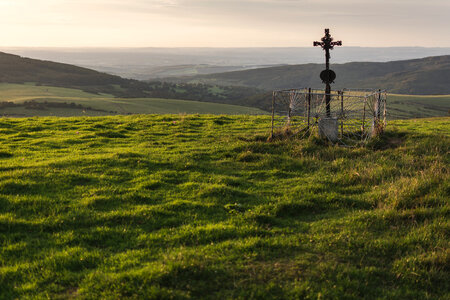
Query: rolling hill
[[24, 100], [17, 69], [20, 70], [66, 90], [427, 76]]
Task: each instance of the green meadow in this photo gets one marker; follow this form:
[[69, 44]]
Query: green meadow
[[104, 104], [399, 106], [203, 207], [417, 106]]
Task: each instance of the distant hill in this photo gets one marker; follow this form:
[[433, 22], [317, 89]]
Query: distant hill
[[426, 76], [17, 69], [24, 80]]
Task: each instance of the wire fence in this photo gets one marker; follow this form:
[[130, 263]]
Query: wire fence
[[347, 116]]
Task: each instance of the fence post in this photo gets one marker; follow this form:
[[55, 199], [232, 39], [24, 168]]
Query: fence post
[[342, 113], [309, 106], [290, 107], [376, 111], [384, 109], [364, 116], [379, 106], [273, 112]]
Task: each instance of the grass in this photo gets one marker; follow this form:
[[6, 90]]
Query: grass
[[194, 206], [414, 106], [19, 93], [399, 106], [30, 91]]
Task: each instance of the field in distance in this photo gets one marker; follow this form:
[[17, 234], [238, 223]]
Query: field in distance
[[417, 106], [88, 104], [399, 106], [202, 207]]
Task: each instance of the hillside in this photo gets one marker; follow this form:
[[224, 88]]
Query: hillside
[[427, 76], [202, 207], [23, 80], [16, 69], [27, 100]]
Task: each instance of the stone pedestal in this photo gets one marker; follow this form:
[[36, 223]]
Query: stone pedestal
[[328, 128]]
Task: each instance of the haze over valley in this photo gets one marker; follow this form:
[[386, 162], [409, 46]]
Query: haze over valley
[[154, 63]]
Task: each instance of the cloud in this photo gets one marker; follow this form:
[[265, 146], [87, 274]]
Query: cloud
[[224, 22]]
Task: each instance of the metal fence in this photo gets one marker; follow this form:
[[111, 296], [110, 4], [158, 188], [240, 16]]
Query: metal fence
[[345, 116]]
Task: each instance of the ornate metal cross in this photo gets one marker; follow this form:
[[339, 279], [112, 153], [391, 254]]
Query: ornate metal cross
[[327, 75]]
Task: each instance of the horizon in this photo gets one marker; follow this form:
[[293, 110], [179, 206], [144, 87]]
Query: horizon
[[140, 63], [206, 47]]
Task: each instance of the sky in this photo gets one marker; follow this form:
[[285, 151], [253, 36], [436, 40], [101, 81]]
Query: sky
[[223, 23]]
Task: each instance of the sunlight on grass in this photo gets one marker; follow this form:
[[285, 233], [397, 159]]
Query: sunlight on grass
[[201, 206]]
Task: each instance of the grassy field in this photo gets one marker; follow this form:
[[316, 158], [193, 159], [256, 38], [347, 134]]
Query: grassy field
[[19, 93], [30, 91], [179, 207], [414, 106], [399, 106]]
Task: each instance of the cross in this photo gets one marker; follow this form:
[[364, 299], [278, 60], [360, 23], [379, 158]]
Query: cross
[[328, 75], [327, 44]]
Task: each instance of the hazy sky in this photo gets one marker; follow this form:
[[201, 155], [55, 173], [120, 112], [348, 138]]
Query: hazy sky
[[223, 23]]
